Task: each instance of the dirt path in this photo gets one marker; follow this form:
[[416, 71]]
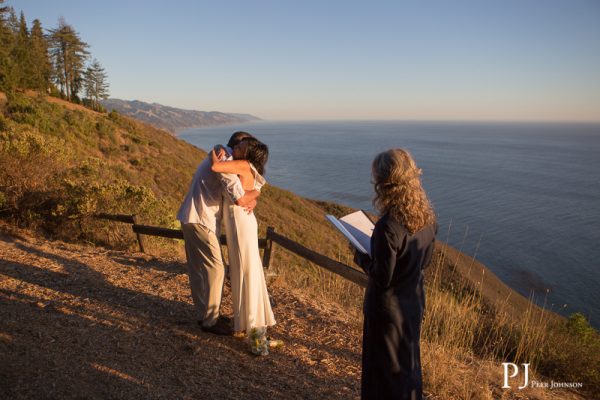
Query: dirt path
[[85, 322]]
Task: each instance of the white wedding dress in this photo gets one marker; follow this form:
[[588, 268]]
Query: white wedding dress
[[251, 305]]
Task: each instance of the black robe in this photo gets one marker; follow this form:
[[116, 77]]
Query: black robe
[[393, 310]]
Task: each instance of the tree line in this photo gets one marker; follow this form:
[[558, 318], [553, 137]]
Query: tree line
[[55, 62]]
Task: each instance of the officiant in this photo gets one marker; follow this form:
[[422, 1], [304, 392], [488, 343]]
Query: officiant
[[401, 246]]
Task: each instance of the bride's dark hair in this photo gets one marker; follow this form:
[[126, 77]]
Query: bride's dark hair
[[257, 153]]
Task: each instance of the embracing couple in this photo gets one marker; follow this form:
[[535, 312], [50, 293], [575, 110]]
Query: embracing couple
[[225, 189]]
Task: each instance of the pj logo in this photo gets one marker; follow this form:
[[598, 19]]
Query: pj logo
[[514, 373]]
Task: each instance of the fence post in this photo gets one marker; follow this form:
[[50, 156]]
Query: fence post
[[268, 249], [139, 236]]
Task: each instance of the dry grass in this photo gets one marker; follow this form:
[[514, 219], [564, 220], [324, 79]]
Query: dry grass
[[465, 340]]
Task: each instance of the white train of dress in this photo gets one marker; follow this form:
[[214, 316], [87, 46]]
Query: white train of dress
[[250, 298]]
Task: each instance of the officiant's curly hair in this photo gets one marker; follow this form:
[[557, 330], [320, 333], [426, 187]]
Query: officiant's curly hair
[[398, 190], [257, 153]]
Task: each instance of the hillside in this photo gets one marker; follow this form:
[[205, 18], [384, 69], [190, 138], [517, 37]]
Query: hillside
[[171, 118], [60, 165]]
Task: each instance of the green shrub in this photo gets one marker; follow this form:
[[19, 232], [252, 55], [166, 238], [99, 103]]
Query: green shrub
[[23, 111], [19, 105], [29, 162], [3, 123], [571, 353], [54, 92], [106, 130], [29, 145], [82, 198], [579, 327], [137, 139], [114, 115]]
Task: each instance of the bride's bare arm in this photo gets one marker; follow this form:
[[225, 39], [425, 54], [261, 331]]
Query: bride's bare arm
[[238, 167]]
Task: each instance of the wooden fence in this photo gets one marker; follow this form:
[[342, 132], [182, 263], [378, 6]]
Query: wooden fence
[[266, 244]]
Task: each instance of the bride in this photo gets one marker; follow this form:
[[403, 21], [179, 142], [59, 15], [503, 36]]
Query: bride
[[252, 311]]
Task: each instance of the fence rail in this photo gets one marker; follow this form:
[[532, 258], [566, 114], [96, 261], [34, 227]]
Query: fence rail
[[129, 219], [321, 260], [178, 234]]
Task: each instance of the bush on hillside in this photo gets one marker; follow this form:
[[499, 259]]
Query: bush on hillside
[[579, 327], [43, 186], [570, 354], [29, 160], [22, 109], [82, 198]]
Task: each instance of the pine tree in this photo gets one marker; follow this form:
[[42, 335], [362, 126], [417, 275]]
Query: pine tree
[[3, 10], [68, 53], [6, 45], [41, 67], [13, 21], [96, 87], [5, 34], [20, 55]]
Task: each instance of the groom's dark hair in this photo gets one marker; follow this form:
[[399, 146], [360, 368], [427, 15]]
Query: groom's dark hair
[[238, 137]]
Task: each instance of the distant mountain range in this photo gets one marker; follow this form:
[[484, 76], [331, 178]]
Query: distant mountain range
[[171, 118]]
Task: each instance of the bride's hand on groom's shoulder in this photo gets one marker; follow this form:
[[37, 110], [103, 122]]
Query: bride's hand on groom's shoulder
[[220, 152], [217, 156]]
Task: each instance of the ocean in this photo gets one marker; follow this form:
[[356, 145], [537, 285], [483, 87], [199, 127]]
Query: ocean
[[522, 198]]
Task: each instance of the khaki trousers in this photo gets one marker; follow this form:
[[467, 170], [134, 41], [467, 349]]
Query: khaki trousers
[[205, 270]]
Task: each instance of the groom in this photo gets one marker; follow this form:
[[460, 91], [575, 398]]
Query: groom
[[200, 216]]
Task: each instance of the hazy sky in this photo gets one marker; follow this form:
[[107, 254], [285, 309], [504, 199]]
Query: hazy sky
[[305, 59]]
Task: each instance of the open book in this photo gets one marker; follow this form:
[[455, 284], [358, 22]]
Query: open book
[[357, 227]]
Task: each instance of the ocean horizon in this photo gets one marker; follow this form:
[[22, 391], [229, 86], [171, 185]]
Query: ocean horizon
[[523, 198]]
